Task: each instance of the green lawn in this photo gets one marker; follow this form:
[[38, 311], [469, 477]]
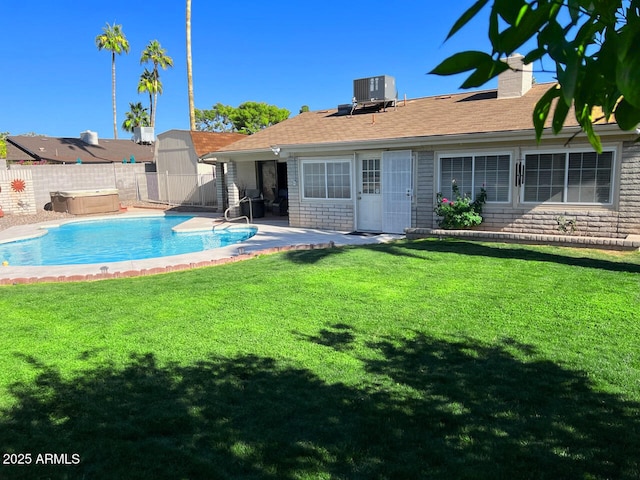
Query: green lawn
[[426, 359]]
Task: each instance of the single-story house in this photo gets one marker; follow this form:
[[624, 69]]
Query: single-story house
[[85, 149], [379, 167]]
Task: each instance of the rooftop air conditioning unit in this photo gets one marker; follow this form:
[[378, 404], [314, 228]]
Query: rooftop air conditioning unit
[[143, 135], [378, 89]]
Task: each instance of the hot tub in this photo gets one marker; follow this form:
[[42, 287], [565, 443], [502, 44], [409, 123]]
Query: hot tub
[[82, 202]]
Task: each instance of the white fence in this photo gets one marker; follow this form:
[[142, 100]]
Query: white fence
[[173, 189]]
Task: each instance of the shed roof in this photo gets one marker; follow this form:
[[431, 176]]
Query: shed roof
[[207, 142]]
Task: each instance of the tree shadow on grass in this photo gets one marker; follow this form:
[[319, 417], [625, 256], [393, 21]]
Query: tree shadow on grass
[[314, 255], [417, 248], [339, 336], [428, 408]]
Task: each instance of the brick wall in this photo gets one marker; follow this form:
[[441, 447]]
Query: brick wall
[[232, 189], [51, 178], [17, 202], [329, 215], [616, 221], [293, 180], [588, 221], [598, 222], [629, 208]]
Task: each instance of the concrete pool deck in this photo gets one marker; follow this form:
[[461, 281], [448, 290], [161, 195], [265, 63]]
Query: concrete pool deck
[[273, 236]]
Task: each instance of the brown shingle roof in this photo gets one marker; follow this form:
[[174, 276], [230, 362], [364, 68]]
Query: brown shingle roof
[[206, 142], [68, 150], [456, 114]]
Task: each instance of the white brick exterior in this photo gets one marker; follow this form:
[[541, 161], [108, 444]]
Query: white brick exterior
[[327, 214]]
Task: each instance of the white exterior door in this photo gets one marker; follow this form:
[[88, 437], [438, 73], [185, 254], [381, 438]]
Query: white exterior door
[[397, 191], [385, 192], [369, 193]]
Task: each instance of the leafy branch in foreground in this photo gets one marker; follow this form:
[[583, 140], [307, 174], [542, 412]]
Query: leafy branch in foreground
[[592, 44]]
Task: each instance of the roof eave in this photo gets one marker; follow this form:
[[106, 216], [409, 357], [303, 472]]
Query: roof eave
[[432, 141]]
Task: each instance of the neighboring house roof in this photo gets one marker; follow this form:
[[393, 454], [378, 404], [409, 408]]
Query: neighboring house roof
[[428, 117], [207, 142], [68, 150]]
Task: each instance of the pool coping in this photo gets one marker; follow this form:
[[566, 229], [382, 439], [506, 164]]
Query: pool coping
[[270, 238]]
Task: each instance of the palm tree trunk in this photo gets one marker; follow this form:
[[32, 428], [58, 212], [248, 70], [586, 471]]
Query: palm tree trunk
[[113, 94], [150, 109], [155, 106], [192, 115]]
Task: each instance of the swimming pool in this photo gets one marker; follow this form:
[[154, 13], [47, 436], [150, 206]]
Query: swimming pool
[[115, 240]]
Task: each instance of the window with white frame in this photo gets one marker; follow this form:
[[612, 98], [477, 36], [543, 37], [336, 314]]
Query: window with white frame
[[326, 179], [569, 177], [471, 173]]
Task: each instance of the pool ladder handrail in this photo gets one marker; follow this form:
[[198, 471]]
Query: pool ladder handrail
[[249, 219]]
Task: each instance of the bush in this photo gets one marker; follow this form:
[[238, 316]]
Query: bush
[[460, 212]]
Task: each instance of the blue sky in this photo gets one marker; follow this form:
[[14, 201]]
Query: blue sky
[[55, 82]]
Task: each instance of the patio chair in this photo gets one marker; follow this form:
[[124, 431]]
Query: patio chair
[[280, 205]]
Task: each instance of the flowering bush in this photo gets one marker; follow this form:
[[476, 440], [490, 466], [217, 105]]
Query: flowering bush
[[460, 212]]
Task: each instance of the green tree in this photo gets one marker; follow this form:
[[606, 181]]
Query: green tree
[[304, 108], [137, 116], [113, 39], [156, 55], [3, 144], [593, 46], [217, 119], [247, 118], [251, 117]]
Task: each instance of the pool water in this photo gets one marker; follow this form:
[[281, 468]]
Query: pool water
[[116, 240]]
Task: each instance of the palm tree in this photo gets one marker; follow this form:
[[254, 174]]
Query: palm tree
[[192, 110], [137, 116], [147, 84], [157, 55], [113, 39]]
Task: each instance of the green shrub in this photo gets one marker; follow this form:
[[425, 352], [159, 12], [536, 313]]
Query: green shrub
[[460, 212]]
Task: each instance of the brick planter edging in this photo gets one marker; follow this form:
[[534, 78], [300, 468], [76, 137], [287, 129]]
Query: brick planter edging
[[167, 269], [528, 238]]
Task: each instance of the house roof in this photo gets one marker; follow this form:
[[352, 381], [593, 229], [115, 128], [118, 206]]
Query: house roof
[[436, 116], [68, 150], [207, 142]]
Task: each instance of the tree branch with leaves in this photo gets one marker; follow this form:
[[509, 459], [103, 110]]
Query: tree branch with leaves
[[593, 46]]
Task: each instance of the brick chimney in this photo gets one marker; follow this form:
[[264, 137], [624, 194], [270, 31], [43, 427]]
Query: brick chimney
[[516, 81]]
